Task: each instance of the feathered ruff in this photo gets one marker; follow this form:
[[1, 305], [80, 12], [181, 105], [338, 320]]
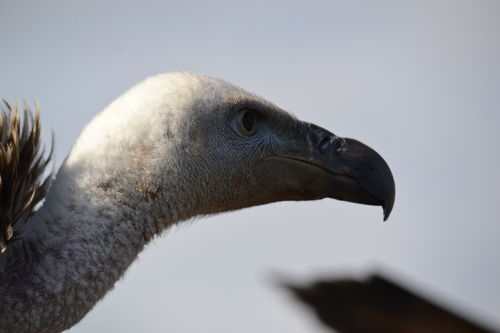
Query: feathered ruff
[[22, 165]]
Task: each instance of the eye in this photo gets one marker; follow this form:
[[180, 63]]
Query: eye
[[246, 123]]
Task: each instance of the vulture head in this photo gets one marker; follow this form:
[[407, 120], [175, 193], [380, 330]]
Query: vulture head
[[205, 146], [173, 147]]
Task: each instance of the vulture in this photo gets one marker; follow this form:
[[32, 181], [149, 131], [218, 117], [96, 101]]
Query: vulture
[[175, 146], [378, 305]]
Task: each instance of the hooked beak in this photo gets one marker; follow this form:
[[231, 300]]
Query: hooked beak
[[339, 168]]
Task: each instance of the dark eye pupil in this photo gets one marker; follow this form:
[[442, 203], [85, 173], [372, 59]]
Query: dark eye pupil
[[247, 121]]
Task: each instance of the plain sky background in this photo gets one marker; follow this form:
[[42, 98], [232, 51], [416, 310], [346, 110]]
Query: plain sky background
[[417, 81]]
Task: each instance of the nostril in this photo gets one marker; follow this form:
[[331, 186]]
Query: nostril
[[331, 143], [324, 144], [337, 145]]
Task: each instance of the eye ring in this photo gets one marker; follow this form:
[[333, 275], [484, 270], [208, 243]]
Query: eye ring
[[246, 123]]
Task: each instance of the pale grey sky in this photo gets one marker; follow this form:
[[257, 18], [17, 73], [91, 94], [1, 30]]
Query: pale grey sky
[[417, 81]]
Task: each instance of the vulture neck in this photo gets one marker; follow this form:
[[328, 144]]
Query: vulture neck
[[74, 253], [103, 207]]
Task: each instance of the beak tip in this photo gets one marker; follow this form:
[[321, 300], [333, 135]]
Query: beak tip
[[372, 173], [387, 206], [386, 214]]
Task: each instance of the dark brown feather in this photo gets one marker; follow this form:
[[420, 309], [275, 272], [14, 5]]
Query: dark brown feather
[[22, 165]]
